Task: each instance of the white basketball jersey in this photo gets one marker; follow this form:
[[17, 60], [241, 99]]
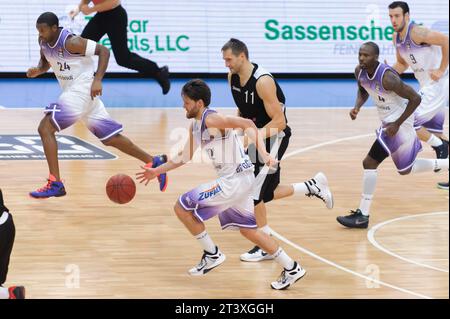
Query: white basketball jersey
[[420, 57], [67, 67], [390, 106], [226, 152]]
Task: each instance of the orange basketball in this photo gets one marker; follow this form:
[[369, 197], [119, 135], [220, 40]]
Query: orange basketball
[[121, 188]]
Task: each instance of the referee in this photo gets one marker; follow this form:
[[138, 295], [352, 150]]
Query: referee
[[7, 234], [112, 19]]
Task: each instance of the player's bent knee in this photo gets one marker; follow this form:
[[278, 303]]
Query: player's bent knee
[[46, 127], [179, 210], [370, 163], [110, 141]]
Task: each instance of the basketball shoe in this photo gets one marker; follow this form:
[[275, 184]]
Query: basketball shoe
[[207, 263], [289, 277], [443, 185], [256, 254], [318, 187], [441, 150], [356, 219], [16, 292], [51, 189], [158, 160]]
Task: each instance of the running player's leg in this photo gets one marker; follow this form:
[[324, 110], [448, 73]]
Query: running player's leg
[[359, 218], [192, 209], [117, 33], [316, 186], [59, 116], [430, 115], [430, 129], [108, 131], [265, 193], [95, 29], [47, 132], [292, 271], [240, 216]]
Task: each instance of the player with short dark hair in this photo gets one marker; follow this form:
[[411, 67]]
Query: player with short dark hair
[[396, 103], [70, 57], [426, 52]]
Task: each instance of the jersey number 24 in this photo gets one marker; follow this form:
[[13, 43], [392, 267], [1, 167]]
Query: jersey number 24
[[63, 67]]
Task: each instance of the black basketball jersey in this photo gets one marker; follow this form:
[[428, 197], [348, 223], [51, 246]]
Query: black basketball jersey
[[250, 105]]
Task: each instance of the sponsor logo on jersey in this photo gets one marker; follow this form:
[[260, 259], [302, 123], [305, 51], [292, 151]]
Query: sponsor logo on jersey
[[236, 89], [209, 193], [61, 53], [244, 166], [65, 77]]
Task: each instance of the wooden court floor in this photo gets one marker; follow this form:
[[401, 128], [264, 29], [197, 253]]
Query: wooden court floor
[[84, 246]]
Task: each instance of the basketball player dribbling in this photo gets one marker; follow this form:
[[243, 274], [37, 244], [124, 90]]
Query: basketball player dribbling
[[230, 196]]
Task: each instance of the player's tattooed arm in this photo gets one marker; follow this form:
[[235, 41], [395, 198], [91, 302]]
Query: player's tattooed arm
[[422, 35], [392, 82], [361, 96], [43, 66]]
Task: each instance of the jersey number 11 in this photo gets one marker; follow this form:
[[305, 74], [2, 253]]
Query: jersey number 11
[[252, 94]]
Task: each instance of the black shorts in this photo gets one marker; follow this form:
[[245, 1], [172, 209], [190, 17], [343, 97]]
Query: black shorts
[[7, 234], [272, 180]]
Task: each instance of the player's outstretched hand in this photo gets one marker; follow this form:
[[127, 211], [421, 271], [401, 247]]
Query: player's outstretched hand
[[146, 176], [33, 72], [96, 88]]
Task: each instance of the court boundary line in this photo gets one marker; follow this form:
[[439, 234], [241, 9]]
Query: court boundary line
[[324, 260], [373, 241], [354, 273]]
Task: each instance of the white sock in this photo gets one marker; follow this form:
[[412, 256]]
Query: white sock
[[434, 141], [300, 188], [4, 293], [428, 165], [283, 259], [206, 242], [267, 230], [369, 183]]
